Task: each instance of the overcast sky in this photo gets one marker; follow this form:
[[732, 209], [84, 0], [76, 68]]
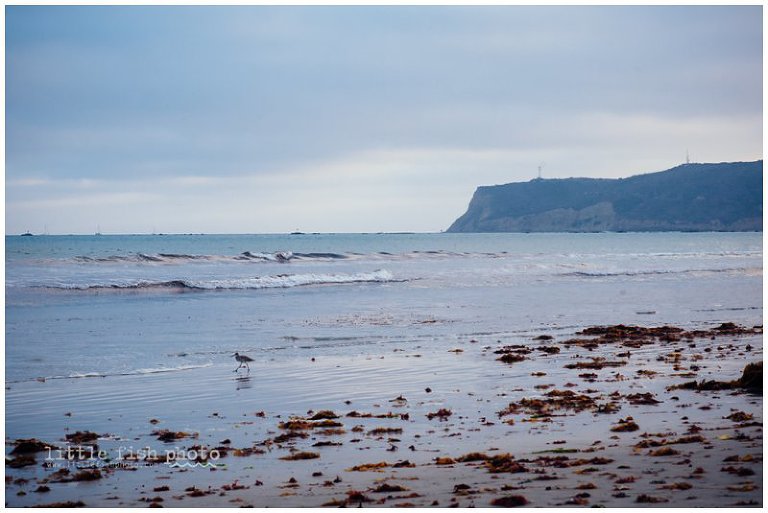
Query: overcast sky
[[271, 119]]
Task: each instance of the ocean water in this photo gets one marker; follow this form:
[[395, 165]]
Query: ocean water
[[80, 307]]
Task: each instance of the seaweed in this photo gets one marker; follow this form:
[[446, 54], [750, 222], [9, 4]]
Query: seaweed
[[649, 499], [554, 400], [385, 431], [642, 399], [511, 358], [751, 380], [289, 436], [504, 463], [324, 414], [22, 460], [387, 488], [66, 504], [509, 501], [595, 364], [295, 425], [82, 437], [367, 467], [356, 497], [30, 446], [473, 456], [442, 414], [301, 455], [664, 451], [164, 435], [740, 416], [625, 425]]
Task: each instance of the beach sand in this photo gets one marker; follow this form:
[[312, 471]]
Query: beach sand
[[398, 423]]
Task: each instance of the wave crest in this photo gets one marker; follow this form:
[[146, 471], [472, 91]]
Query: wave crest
[[258, 282], [179, 258]]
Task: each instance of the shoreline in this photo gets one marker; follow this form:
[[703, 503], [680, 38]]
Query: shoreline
[[380, 414]]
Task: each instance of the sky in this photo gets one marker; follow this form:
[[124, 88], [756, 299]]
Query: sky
[[256, 119]]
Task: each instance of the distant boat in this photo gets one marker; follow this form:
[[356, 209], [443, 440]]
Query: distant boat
[[27, 234], [298, 233]]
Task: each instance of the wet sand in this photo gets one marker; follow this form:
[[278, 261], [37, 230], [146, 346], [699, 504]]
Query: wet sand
[[578, 419]]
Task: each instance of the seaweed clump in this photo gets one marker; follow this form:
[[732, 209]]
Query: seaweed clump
[[751, 380], [509, 501], [301, 455], [554, 400]]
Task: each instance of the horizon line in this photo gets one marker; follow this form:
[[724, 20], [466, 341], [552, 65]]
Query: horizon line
[[441, 232]]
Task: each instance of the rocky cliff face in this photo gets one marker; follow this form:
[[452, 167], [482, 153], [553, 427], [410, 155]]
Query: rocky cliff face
[[691, 197]]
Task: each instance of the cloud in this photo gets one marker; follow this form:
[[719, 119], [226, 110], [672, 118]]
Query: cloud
[[355, 118]]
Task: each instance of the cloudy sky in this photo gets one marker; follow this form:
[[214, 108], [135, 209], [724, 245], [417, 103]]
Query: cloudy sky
[[271, 119]]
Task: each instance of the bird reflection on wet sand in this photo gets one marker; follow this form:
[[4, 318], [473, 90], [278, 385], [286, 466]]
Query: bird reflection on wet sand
[[243, 382]]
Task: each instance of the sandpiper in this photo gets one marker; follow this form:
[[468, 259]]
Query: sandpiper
[[243, 360]]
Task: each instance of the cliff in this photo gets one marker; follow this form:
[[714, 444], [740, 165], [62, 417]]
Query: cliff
[[690, 197]]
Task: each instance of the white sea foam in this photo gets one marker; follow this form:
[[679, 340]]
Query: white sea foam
[[292, 280], [136, 372], [258, 282]]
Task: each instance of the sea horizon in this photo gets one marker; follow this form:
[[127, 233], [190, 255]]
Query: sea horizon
[[401, 232]]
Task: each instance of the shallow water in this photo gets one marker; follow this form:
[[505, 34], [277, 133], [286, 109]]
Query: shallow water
[[115, 305]]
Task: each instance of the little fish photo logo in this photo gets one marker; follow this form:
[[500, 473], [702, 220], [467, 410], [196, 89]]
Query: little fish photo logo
[[92, 457]]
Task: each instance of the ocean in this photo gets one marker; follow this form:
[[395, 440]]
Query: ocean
[[394, 339], [80, 306]]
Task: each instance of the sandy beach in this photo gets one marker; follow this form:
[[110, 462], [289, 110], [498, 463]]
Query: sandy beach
[[581, 418]]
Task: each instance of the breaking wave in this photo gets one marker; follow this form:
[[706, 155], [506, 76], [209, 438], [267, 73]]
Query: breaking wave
[[258, 282], [168, 258]]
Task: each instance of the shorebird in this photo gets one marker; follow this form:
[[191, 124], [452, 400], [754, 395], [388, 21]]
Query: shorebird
[[243, 360]]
